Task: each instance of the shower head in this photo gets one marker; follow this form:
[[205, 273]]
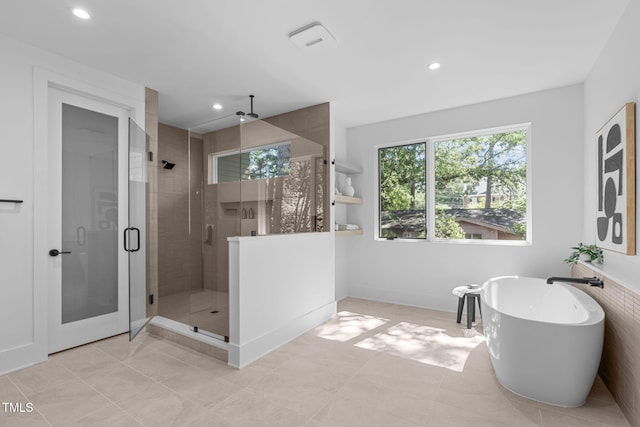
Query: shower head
[[167, 165], [252, 114]]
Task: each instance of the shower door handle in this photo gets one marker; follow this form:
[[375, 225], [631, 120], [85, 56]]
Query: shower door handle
[[126, 246]]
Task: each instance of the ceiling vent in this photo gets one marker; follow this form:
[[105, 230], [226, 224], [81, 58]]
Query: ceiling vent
[[313, 36]]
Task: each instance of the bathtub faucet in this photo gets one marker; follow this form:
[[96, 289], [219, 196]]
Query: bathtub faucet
[[593, 281]]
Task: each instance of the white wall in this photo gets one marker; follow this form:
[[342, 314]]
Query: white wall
[[280, 286], [23, 297], [423, 273], [342, 291], [614, 80]]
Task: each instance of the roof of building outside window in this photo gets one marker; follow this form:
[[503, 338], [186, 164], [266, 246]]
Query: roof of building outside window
[[501, 219]]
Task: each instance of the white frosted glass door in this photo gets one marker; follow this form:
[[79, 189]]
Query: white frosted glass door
[[89, 213], [88, 271]]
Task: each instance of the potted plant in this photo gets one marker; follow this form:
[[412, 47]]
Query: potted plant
[[587, 253]]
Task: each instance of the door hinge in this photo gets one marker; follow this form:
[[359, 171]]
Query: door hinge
[[150, 299], [151, 156]]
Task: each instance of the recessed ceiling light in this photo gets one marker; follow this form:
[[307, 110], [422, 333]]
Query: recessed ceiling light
[[217, 107], [434, 65], [81, 13]]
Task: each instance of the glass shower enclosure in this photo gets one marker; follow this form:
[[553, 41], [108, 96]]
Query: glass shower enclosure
[[252, 178]]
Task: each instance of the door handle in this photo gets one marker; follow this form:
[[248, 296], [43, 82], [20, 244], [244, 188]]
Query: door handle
[[126, 245], [55, 252]]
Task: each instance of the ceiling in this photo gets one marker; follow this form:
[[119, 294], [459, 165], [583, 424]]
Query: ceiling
[[198, 52]]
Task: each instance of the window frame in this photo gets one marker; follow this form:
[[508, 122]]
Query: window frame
[[213, 158], [430, 186], [378, 192]]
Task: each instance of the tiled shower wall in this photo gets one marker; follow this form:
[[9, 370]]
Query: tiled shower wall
[[224, 225], [179, 212], [196, 225], [620, 364], [151, 129]]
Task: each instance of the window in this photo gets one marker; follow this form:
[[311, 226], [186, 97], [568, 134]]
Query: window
[[469, 186], [263, 162], [403, 178]]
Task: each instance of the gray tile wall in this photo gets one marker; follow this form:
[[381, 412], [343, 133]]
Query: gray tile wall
[[151, 129], [178, 269], [196, 225]]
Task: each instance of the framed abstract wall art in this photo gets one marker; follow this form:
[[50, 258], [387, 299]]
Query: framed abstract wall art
[[616, 214]]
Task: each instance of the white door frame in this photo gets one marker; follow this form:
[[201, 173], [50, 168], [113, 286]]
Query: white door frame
[[110, 90]]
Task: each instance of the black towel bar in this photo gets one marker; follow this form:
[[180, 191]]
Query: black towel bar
[[10, 201]]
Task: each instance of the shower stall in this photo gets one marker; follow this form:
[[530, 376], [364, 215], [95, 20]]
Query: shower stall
[[255, 177]]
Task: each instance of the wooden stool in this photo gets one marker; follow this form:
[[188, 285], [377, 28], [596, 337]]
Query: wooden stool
[[472, 294]]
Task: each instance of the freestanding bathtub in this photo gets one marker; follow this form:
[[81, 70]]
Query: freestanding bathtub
[[545, 341]]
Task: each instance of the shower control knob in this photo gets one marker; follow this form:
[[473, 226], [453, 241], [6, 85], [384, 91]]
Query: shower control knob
[[55, 252]]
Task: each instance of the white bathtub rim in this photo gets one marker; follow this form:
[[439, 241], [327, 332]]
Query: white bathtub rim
[[594, 310]]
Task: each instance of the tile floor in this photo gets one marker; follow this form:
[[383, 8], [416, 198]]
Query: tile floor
[[375, 364]]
